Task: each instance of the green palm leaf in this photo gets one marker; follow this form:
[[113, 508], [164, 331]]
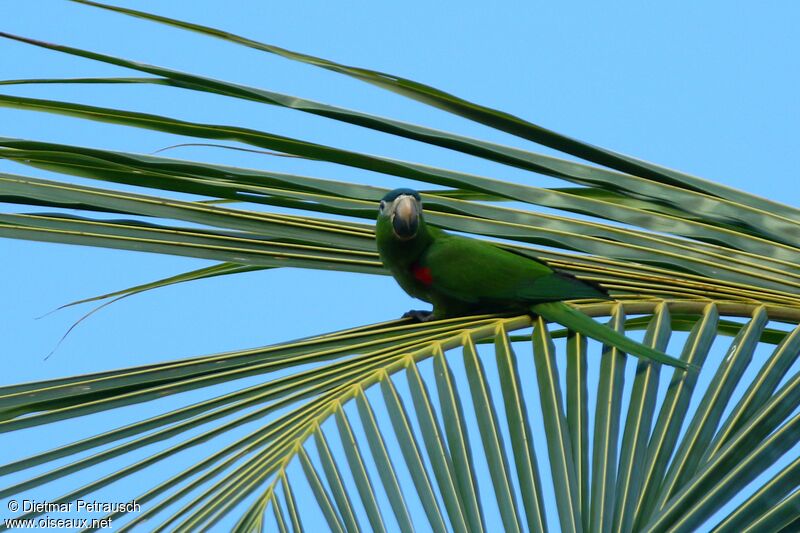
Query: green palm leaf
[[393, 425]]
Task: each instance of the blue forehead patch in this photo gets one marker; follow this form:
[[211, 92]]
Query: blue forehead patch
[[391, 196]]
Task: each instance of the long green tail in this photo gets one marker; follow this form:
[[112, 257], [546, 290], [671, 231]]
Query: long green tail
[[573, 319]]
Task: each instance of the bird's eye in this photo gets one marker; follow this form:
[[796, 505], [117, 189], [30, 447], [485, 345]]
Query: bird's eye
[[383, 204]]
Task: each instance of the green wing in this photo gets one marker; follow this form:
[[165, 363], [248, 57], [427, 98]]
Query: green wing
[[472, 270]]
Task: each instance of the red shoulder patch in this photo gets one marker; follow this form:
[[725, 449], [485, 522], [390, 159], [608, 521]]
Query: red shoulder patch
[[421, 274]]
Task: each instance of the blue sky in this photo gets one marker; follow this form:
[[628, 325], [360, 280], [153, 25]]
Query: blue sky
[[709, 88]]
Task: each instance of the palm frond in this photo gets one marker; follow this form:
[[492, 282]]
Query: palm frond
[[438, 426]]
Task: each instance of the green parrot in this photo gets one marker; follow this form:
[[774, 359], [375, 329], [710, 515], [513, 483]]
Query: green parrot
[[462, 276]]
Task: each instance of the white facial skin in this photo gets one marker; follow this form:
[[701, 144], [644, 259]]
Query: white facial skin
[[405, 208]]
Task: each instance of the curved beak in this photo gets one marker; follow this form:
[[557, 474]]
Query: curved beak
[[406, 218]]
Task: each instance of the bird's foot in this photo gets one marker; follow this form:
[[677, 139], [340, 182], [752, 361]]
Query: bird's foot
[[419, 316]]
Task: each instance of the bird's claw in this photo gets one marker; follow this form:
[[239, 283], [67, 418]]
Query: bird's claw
[[419, 316]]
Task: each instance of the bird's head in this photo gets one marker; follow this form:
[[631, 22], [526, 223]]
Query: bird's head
[[403, 209]]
